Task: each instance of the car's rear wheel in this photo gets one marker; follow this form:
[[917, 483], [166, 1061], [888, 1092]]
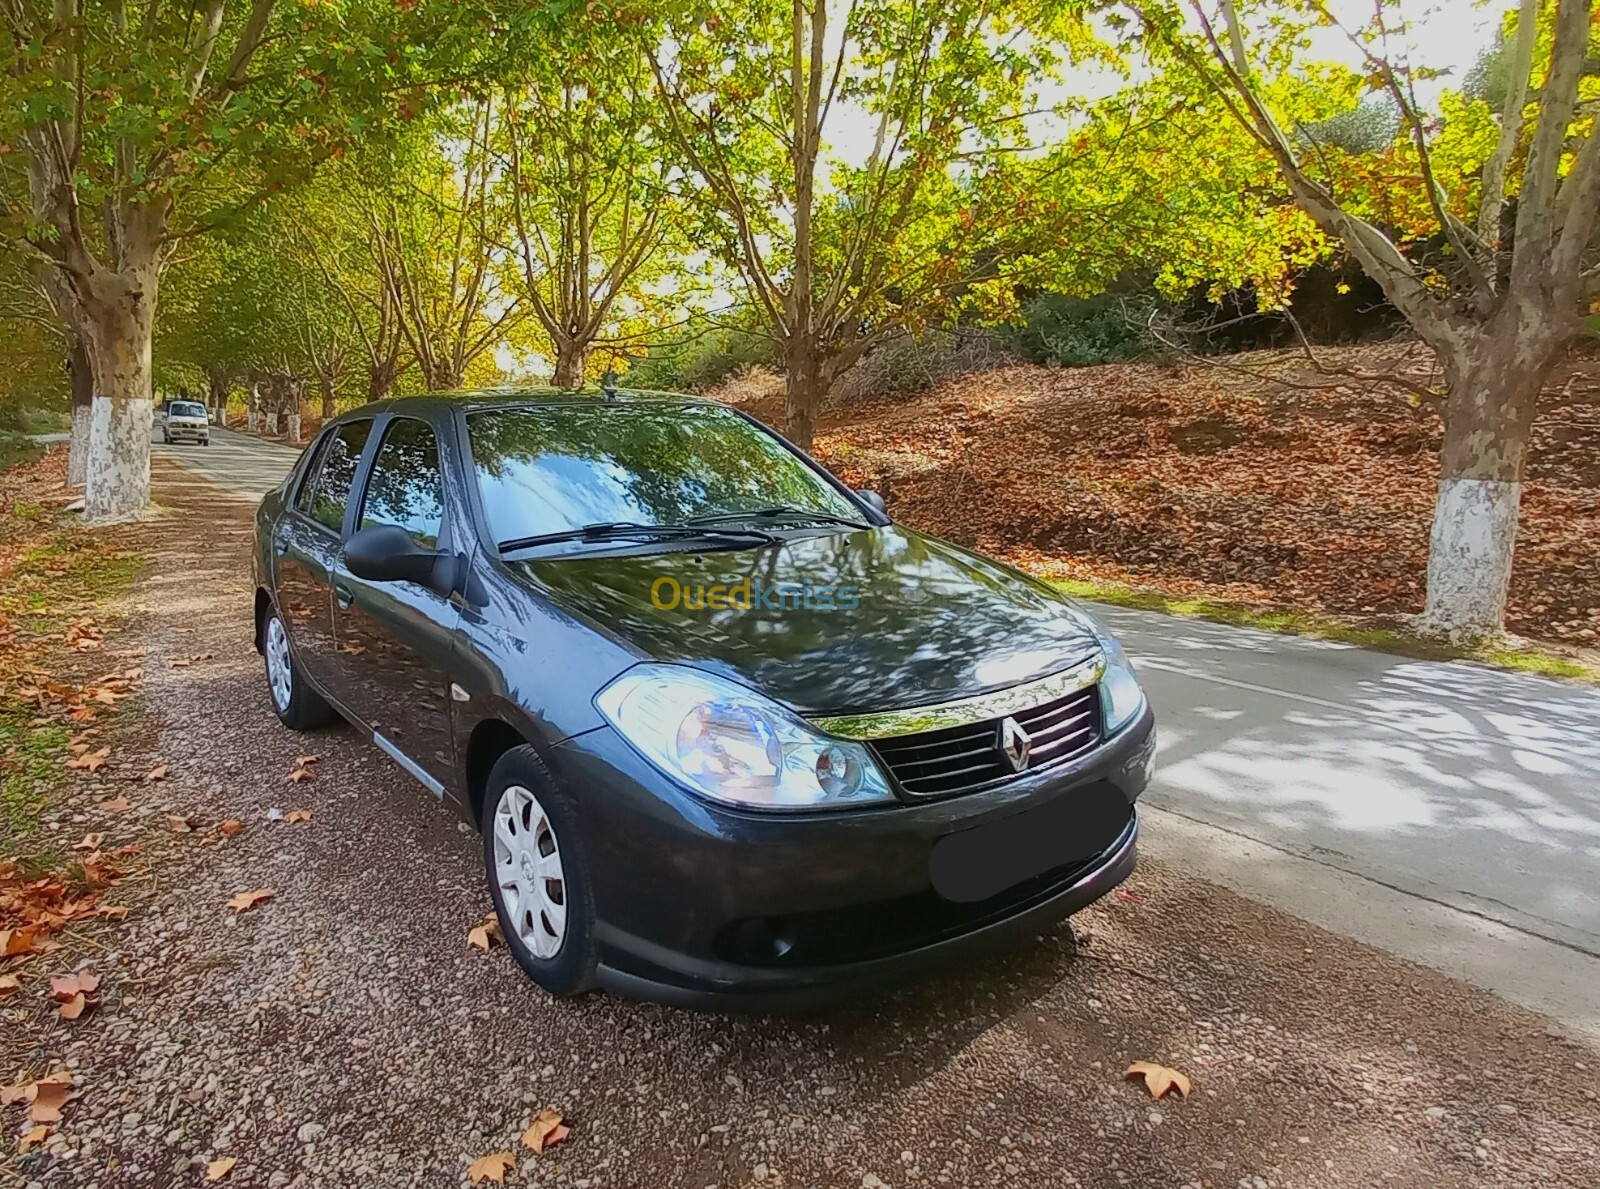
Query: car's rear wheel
[[537, 876], [298, 705]]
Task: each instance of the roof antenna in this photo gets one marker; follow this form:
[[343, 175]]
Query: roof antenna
[[608, 385]]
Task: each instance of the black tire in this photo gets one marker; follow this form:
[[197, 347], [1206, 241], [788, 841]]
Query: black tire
[[304, 708], [570, 971]]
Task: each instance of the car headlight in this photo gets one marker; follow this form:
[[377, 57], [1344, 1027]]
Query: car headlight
[[733, 745], [1121, 695]]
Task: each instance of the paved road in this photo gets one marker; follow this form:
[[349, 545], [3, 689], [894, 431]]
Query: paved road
[[1376, 795], [240, 462]]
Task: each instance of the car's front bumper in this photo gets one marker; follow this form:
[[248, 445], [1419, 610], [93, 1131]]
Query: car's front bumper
[[179, 433], [702, 906]]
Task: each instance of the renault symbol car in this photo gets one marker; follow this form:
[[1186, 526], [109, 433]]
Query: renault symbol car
[[731, 736]]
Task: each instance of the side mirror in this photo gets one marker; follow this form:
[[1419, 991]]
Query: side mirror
[[386, 553], [874, 501]]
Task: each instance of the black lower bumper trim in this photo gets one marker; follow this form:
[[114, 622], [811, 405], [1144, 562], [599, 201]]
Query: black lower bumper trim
[[716, 986]]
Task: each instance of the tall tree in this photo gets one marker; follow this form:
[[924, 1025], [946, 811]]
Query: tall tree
[[1498, 298], [838, 251], [593, 206], [137, 124], [438, 223]]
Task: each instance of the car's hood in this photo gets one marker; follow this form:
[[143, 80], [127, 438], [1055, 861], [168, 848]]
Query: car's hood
[[930, 621]]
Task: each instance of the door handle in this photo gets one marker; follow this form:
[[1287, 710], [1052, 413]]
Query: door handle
[[344, 595]]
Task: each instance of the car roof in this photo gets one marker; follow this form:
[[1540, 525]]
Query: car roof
[[518, 397]]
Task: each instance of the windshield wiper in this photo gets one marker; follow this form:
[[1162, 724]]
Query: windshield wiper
[[775, 512], [622, 529]]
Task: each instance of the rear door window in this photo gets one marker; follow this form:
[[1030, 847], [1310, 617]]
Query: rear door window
[[324, 496], [406, 488]]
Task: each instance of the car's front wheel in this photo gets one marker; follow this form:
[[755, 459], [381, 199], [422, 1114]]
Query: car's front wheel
[[298, 705], [537, 876]]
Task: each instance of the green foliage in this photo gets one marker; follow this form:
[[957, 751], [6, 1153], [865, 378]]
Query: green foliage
[[600, 231], [1080, 331], [700, 361], [17, 448], [1368, 127]]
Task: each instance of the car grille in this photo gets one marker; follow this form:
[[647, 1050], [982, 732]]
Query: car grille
[[961, 759]]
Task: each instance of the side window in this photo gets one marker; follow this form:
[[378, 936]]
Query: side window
[[405, 488], [325, 493], [309, 471]]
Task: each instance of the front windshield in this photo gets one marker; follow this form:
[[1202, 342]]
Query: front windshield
[[554, 468], [180, 409]]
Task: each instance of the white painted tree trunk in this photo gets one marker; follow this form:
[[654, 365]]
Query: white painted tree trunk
[[118, 318], [78, 446], [1469, 556], [222, 413], [294, 427], [117, 479], [272, 423]]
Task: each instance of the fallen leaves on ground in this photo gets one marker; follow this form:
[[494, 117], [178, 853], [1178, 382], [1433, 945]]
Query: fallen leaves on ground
[[492, 1167], [297, 815], [116, 805], [218, 1169], [9, 985], [89, 842], [46, 1097], [300, 775], [84, 636], [75, 993], [230, 827], [486, 934], [184, 824], [1159, 1079], [33, 1138], [545, 1131], [244, 901], [32, 909], [89, 761], [1203, 480], [159, 772]]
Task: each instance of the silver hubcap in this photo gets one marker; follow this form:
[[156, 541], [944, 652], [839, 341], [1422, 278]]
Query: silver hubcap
[[527, 867], [278, 670]]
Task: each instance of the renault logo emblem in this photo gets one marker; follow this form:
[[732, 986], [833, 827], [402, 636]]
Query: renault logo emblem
[[1015, 743]]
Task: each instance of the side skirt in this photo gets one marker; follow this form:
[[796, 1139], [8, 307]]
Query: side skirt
[[410, 765]]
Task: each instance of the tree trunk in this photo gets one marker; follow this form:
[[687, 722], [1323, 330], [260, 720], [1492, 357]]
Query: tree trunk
[[380, 378], [118, 316], [1488, 418], [805, 387], [82, 409], [572, 359], [252, 414], [441, 377], [328, 407]]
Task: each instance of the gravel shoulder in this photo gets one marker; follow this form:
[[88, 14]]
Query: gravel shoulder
[[343, 1032]]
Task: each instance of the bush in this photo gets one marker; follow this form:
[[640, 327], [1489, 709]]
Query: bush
[[1080, 331], [701, 362], [904, 365]]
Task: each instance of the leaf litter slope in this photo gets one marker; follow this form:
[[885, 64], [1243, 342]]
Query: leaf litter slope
[[1200, 480]]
